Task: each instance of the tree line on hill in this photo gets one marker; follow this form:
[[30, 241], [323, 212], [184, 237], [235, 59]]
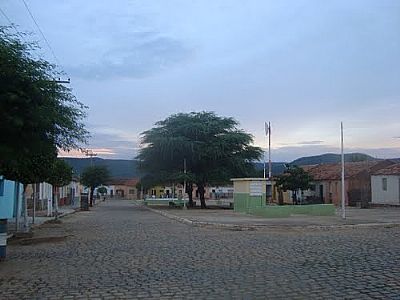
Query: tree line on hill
[[129, 168]]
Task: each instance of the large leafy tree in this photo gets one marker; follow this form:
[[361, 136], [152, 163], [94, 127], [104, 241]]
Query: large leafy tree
[[213, 148], [93, 177], [294, 179], [38, 116]]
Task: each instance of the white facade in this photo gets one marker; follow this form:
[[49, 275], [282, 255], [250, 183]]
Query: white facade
[[385, 189], [46, 194]]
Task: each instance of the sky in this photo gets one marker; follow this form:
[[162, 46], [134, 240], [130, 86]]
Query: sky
[[304, 66]]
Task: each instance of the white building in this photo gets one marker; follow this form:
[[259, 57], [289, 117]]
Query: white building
[[385, 186]]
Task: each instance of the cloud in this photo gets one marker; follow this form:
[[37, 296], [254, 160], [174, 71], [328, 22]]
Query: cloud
[[303, 143], [141, 55], [115, 145], [310, 143]]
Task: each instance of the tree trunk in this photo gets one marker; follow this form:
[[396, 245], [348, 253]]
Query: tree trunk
[[91, 196], [200, 189], [189, 190], [294, 197], [280, 197], [55, 200], [17, 208], [25, 203]]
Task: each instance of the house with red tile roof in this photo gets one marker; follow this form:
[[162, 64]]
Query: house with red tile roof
[[124, 188], [327, 181], [385, 186]]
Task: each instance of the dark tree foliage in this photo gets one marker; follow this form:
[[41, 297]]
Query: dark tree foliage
[[214, 148], [102, 190], [294, 179], [93, 177], [37, 115]]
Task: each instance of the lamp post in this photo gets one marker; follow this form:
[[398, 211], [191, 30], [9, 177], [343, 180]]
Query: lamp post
[[343, 185]]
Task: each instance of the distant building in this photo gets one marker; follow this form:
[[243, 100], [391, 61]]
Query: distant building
[[327, 181], [385, 184], [123, 188]]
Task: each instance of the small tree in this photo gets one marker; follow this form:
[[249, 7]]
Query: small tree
[[102, 190], [93, 177], [294, 179], [60, 175]]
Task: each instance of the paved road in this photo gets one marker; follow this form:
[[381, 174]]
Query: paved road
[[119, 250]]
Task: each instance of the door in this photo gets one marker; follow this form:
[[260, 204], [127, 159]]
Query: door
[[321, 193]]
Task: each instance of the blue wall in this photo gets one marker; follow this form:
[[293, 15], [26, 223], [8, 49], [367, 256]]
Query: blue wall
[[7, 198]]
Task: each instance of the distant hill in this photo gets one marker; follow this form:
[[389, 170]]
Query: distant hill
[[277, 167], [124, 168], [331, 158], [119, 168]]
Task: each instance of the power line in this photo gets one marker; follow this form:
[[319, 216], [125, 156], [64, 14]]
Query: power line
[[9, 21], [41, 32]]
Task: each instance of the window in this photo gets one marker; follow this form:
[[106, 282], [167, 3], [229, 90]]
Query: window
[[131, 191], [384, 184], [1, 187]]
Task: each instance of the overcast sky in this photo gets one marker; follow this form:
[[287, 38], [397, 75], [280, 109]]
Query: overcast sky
[[302, 65]]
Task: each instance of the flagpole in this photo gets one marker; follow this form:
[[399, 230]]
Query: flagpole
[[269, 152], [184, 184], [266, 133], [343, 192]]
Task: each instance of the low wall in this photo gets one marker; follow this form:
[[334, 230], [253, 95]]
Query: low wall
[[288, 210], [163, 201], [243, 202]]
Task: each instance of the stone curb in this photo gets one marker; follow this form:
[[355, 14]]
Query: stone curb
[[253, 227]]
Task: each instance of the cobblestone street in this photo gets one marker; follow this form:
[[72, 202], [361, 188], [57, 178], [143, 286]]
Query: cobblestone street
[[119, 250]]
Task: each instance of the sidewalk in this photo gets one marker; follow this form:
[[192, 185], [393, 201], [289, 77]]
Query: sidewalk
[[41, 219], [229, 218]]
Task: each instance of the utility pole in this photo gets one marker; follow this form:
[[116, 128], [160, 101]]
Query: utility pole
[[268, 135], [343, 192], [90, 153], [55, 201]]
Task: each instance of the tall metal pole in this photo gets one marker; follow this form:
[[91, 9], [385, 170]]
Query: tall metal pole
[[266, 133], [264, 163], [343, 191], [269, 152], [184, 183]]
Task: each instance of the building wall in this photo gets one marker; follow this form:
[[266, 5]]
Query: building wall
[[389, 196], [8, 198], [359, 189], [126, 192], [332, 191]]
